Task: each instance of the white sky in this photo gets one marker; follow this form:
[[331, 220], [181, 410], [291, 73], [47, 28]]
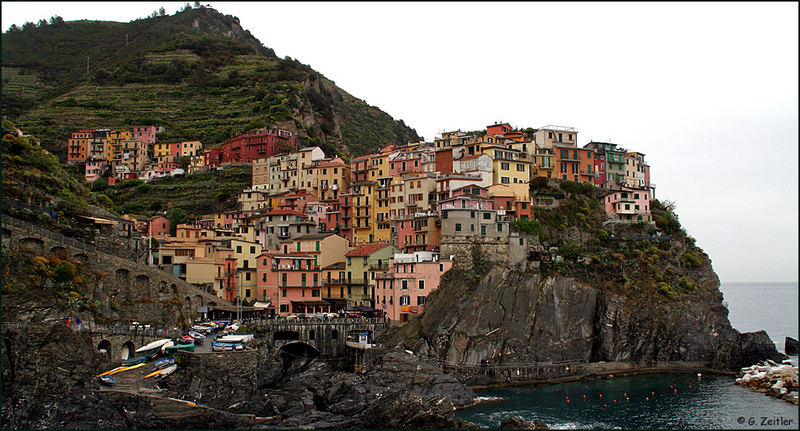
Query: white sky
[[708, 91]]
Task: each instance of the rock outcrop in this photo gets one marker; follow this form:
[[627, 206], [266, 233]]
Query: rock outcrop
[[772, 379], [509, 317], [790, 346], [49, 382]]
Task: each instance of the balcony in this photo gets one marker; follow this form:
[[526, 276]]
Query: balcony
[[381, 267], [355, 281], [284, 235]]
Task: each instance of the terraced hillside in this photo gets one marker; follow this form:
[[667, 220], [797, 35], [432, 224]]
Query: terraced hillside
[[197, 73]]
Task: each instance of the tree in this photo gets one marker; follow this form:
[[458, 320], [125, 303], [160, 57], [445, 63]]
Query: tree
[[162, 11], [176, 216], [42, 23], [197, 5], [56, 21], [13, 28]]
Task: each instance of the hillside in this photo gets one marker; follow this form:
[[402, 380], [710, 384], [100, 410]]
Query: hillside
[[197, 73]]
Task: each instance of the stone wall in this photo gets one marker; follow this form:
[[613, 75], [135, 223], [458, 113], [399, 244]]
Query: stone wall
[[125, 290], [506, 251]]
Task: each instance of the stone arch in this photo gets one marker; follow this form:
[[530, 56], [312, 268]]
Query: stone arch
[[198, 299], [142, 282], [7, 237], [312, 334], [297, 354], [335, 334], [162, 288], [212, 304], [286, 336], [58, 251], [188, 301], [124, 276], [104, 348], [174, 288], [82, 257], [128, 350], [31, 245]]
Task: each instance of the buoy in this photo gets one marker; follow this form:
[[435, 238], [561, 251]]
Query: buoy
[[652, 393], [601, 395], [584, 396], [627, 399], [625, 394], [676, 391], [670, 386], [647, 398], [567, 400], [699, 375], [605, 405], [615, 401]]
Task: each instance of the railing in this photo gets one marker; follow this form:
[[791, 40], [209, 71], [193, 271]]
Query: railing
[[49, 234], [117, 329]]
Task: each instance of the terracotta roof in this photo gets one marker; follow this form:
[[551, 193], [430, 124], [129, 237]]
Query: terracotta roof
[[367, 249]]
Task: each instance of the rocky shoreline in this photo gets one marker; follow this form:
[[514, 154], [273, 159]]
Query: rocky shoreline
[[770, 378]]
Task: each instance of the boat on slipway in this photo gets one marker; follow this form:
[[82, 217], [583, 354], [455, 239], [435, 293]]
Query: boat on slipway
[[226, 347], [107, 380], [238, 338]]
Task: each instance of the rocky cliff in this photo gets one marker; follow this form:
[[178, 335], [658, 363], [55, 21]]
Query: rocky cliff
[[506, 316]]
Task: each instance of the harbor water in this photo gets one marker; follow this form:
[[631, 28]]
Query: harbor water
[[663, 401]]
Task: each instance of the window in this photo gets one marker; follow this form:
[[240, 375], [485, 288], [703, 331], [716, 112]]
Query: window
[[520, 167], [247, 293], [238, 248], [420, 300], [264, 261], [487, 216], [317, 245], [472, 214], [504, 166], [458, 227], [283, 282], [252, 249], [283, 293], [483, 229], [404, 284], [422, 284], [315, 293], [504, 180], [284, 308], [264, 277], [405, 300], [499, 227], [247, 277], [522, 241]]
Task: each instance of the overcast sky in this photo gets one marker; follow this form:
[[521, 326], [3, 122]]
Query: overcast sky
[[709, 92]]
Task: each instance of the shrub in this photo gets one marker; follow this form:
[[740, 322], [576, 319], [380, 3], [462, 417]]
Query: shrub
[[527, 226], [65, 272], [666, 289], [691, 260]]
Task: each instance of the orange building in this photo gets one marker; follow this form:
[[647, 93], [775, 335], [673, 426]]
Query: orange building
[[573, 163]]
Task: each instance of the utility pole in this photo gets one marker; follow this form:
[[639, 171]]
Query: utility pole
[[87, 64]]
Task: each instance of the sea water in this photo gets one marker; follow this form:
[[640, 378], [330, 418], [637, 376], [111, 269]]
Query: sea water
[[664, 401]]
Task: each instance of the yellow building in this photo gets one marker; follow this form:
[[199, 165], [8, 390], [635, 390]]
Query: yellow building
[[543, 163], [361, 202], [509, 166], [379, 218]]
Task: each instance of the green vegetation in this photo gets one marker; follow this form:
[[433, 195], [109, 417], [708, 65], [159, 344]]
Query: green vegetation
[[33, 175], [179, 196], [196, 73]]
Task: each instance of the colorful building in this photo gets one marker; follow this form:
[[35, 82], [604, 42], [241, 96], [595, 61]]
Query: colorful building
[[401, 291], [628, 204], [361, 265]]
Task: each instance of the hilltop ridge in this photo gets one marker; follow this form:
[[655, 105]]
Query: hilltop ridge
[[197, 73]]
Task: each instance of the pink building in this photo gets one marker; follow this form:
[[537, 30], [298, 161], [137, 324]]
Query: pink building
[[94, 169], [466, 201], [628, 204], [401, 292], [291, 281], [146, 134]]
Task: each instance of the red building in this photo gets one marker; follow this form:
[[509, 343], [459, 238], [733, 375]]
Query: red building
[[292, 281], [257, 144], [444, 160], [498, 129]]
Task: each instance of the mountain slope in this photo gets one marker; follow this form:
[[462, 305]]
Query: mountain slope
[[197, 73]]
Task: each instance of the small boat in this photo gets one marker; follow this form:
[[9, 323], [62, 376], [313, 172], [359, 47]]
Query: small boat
[[107, 373], [121, 369], [180, 347], [134, 361], [154, 373], [169, 343], [243, 338], [107, 380], [198, 337], [185, 339], [154, 345], [169, 370], [226, 347], [161, 363], [191, 403]]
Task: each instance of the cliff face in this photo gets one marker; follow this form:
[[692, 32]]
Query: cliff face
[[509, 317]]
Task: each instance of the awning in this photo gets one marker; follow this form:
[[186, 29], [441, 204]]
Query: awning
[[320, 302], [100, 220]]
